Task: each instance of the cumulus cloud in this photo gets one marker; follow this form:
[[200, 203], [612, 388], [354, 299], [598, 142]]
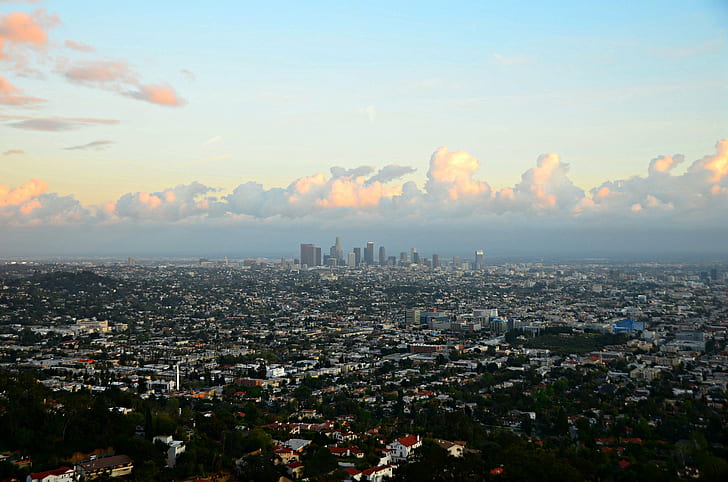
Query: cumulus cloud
[[452, 193], [451, 176], [95, 145], [664, 164], [545, 187], [172, 204], [698, 195], [30, 204], [390, 173], [21, 194]]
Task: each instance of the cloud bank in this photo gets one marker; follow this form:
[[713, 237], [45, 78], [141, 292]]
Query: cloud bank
[[698, 196]]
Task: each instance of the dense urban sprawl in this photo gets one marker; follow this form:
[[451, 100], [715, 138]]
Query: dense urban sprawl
[[267, 370]]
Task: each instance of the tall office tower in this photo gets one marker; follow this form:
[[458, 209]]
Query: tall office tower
[[435, 261], [308, 254], [457, 262], [131, 262], [317, 256], [351, 259], [403, 261], [479, 259], [412, 318], [369, 254], [339, 250], [391, 261], [357, 256], [382, 256], [415, 256]]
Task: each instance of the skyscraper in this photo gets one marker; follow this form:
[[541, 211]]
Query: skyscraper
[[308, 254], [435, 261], [479, 258], [317, 260], [357, 256], [369, 254], [382, 256], [415, 256], [339, 251], [403, 258]]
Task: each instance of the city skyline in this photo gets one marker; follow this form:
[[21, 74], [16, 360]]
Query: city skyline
[[566, 129]]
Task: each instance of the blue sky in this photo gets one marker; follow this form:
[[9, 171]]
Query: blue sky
[[187, 94]]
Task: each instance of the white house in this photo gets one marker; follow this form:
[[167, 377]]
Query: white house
[[61, 474], [403, 447]]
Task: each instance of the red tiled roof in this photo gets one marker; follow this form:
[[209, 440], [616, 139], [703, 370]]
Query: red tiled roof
[[408, 440], [374, 470], [42, 475]]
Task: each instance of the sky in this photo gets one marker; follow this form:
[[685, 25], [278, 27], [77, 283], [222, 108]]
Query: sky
[[246, 128]]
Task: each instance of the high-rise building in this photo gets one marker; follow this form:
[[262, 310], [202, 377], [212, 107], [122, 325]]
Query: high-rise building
[[308, 254], [318, 261], [412, 318], [369, 254], [415, 256], [479, 259], [435, 261], [339, 250], [352, 260], [357, 256], [382, 256], [403, 261]]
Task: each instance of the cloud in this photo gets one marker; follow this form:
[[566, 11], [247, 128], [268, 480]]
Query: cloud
[[452, 194], [95, 145], [11, 152], [390, 173], [31, 205], [213, 140], [699, 195], [117, 76], [371, 112], [79, 46], [171, 205], [664, 164], [21, 194], [54, 124], [99, 73], [545, 187], [11, 95], [19, 29], [22, 34], [451, 176], [158, 94], [189, 75]]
